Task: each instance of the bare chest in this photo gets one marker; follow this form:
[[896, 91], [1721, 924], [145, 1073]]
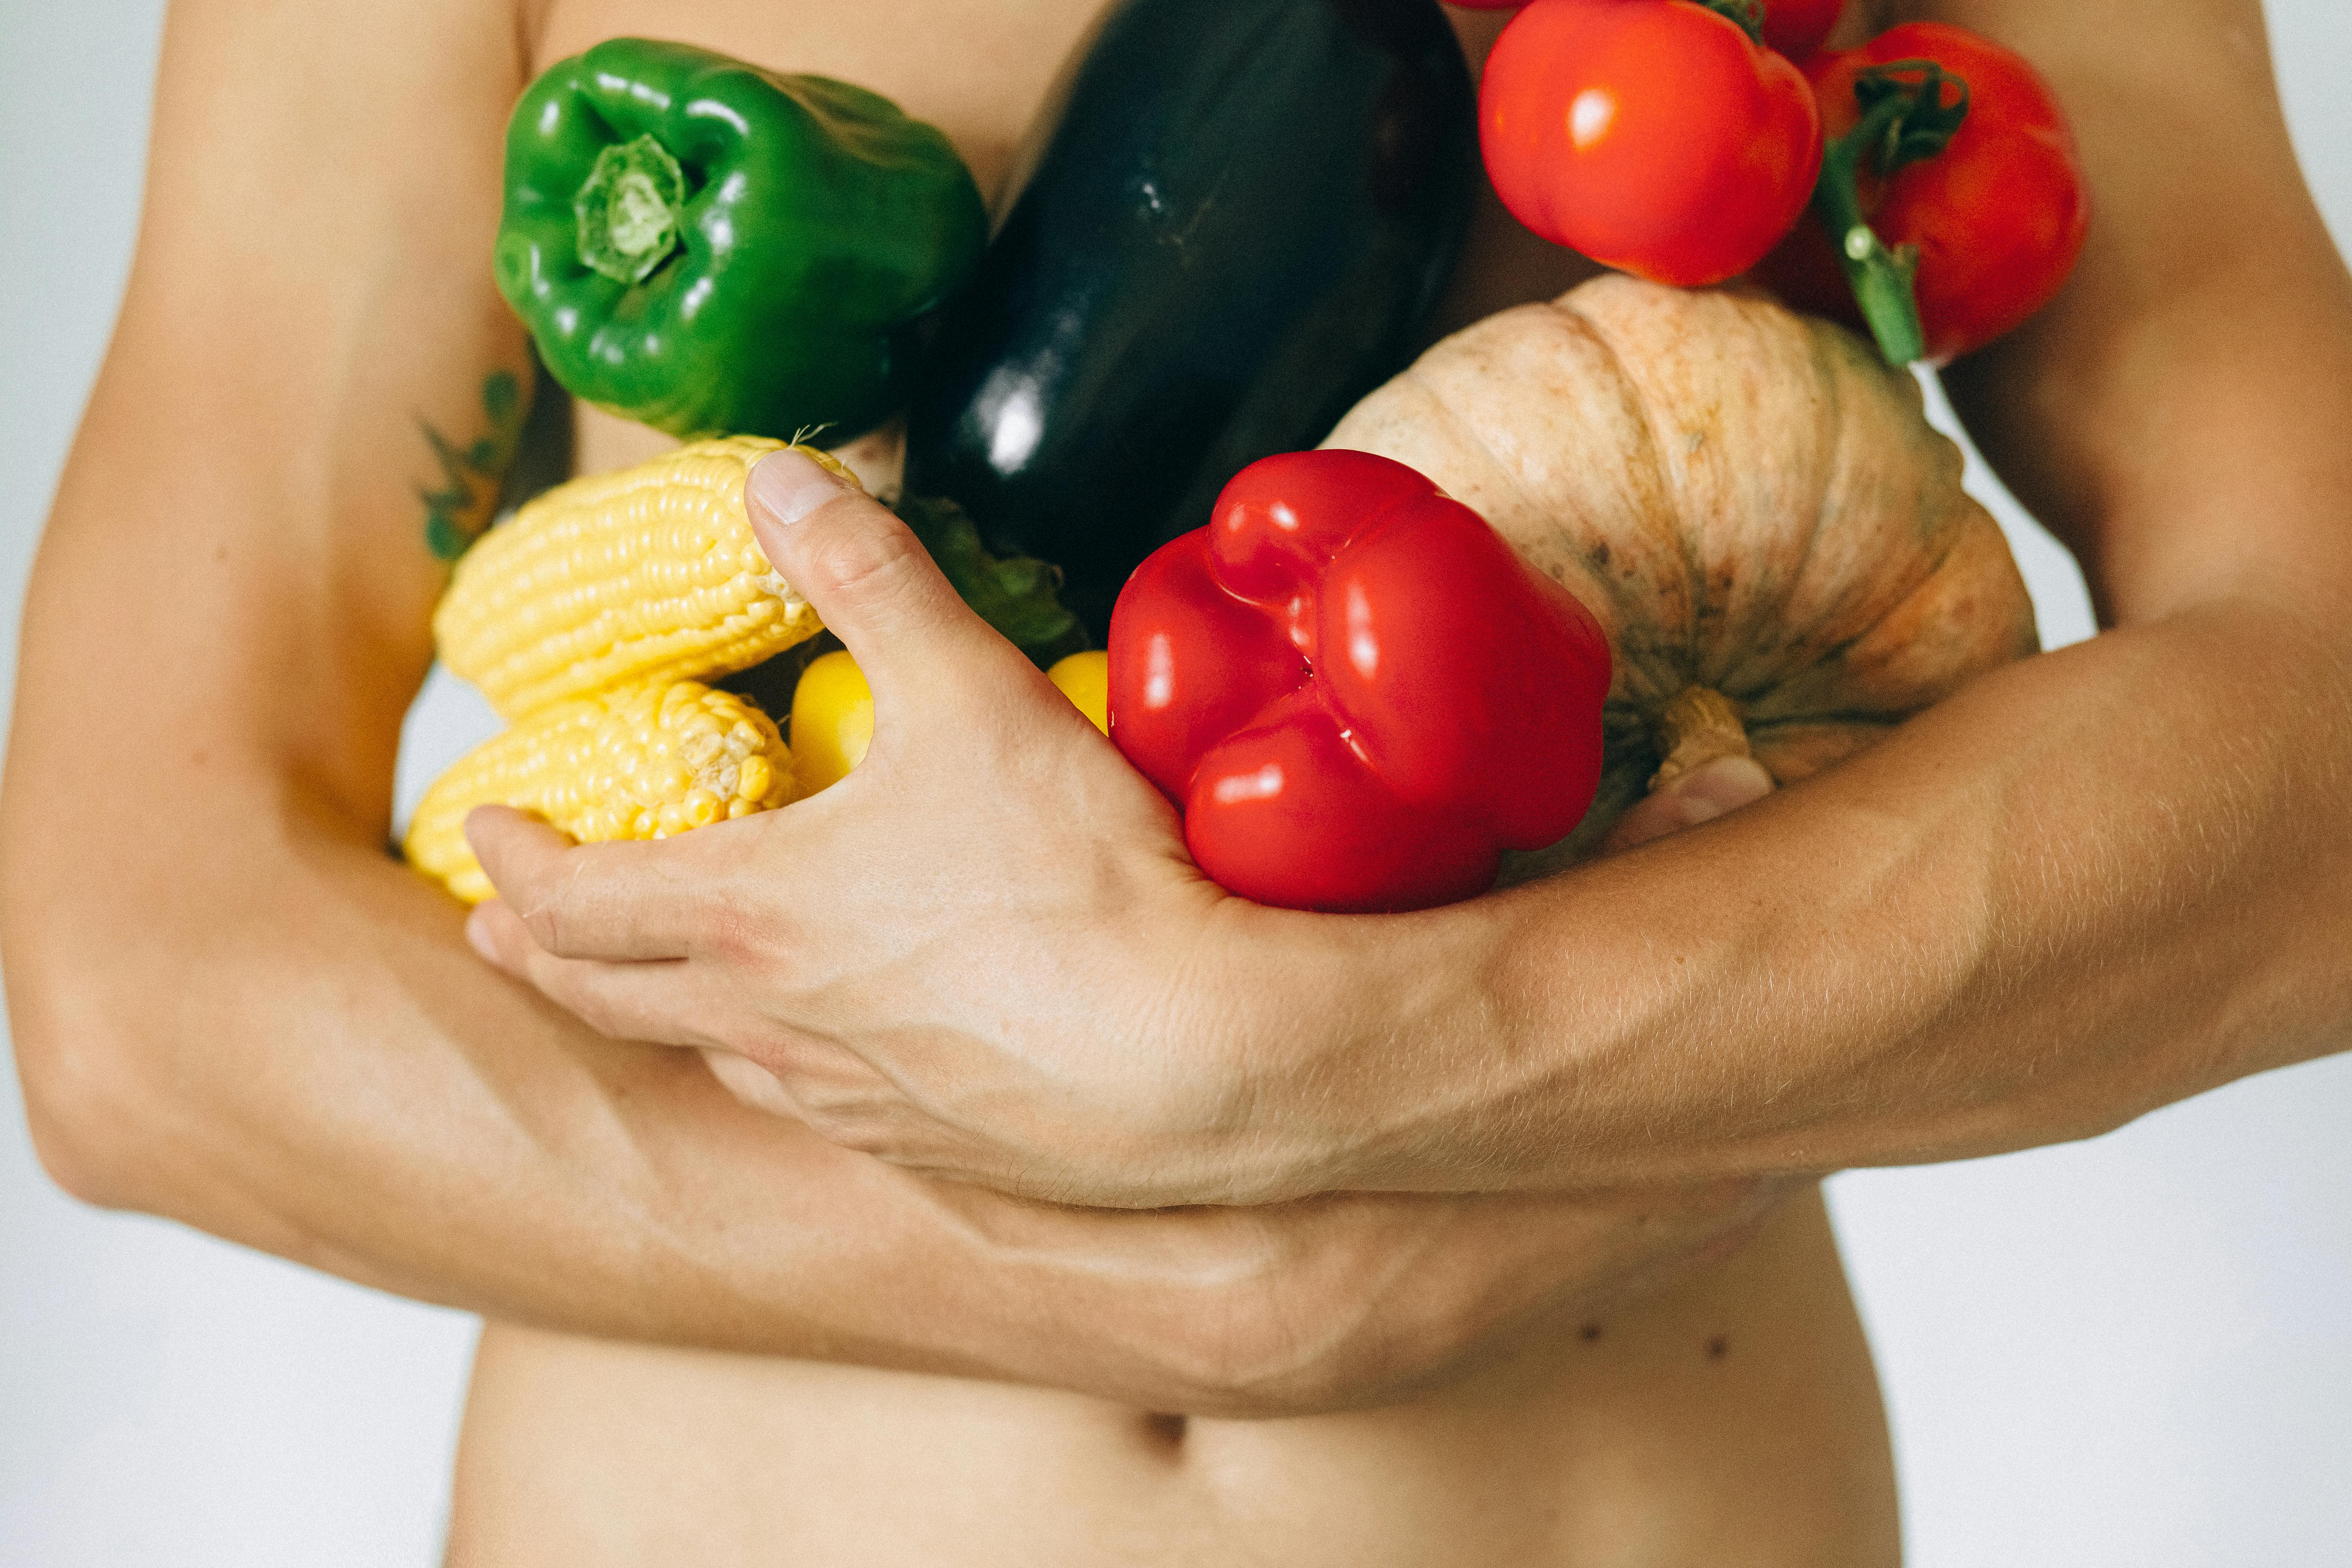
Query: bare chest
[[979, 69]]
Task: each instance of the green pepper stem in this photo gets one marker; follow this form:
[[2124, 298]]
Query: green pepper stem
[[1902, 121], [629, 210]]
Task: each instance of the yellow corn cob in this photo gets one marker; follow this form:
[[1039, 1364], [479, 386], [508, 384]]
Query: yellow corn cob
[[644, 572], [643, 760]]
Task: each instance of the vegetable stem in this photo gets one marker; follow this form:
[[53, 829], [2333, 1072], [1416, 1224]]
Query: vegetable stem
[[628, 209], [1697, 726], [1905, 118], [1880, 278], [1748, 13]]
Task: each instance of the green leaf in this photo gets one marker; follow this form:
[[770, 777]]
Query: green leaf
[[1017, 597], [1904, 101]]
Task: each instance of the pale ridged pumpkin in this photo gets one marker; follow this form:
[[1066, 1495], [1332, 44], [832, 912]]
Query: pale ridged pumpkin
[[1751, 500]]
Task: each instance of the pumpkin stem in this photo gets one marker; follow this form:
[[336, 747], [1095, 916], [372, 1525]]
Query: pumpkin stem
[[1699, 725], [1904, 120]]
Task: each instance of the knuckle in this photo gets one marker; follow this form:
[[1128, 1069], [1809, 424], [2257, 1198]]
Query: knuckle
[[558, 917], [736, 933], [756, 1041], [545, 923], [1250, 1342], [1333, 1325], [1255, 1365], [838, 1121], [855, 554]]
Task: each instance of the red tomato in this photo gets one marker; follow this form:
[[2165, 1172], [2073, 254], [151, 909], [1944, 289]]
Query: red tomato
[[1998, 215], [1796, 27], [1654, 136]]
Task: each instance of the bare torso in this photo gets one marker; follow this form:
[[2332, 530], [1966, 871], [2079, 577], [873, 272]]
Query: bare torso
[[1733, 1419]]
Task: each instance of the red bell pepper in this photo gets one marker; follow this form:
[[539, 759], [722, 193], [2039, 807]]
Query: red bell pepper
[[1356, 692]]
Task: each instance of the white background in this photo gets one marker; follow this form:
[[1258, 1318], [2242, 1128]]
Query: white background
[[2130, 1353]]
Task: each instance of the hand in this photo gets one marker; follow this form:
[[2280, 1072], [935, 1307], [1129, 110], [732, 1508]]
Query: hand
[[1336, 1302], [1701, 796], [950, 958], [985, 954]]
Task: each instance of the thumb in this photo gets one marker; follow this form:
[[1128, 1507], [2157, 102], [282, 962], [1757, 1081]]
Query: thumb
[[866, 573], [1706, 792]]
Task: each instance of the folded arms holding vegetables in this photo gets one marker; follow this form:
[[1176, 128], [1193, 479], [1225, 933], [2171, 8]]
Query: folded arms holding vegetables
[[1910, 906], [1086, 1027], [2080, 886]]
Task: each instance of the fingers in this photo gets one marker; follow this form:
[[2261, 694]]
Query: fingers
[[611, 901], [1702, 795], [626, 1001], [751, 1084], [685, 1001], [868, 575]]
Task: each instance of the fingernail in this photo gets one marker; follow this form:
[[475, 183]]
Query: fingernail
[[785, 486], [477, 933], [1718, 787]]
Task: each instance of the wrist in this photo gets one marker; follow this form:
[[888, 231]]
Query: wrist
[[1358, 1045]]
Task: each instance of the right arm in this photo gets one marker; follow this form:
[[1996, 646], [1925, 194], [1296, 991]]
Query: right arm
[[232, 1008]]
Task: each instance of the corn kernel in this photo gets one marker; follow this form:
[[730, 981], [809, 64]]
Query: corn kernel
[[607, 766], [648, 571], [753, 778]]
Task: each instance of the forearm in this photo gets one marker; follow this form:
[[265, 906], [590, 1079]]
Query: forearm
[[2086, 886], [289, 1044], [230, 1006], [2089, 886], [292, 1047], [295, 1049]]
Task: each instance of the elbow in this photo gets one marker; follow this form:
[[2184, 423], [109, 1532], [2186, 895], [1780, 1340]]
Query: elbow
[[68, 1156], [80, 1083]]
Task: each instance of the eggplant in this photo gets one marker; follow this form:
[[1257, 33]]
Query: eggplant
[[1238, 223]]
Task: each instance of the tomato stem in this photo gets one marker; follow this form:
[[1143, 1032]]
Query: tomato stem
[[1904, 120], [1748, 13], [1880, 278]]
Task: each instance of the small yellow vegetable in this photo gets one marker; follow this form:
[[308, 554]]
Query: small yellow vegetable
[[1085, 679], [833, 712], [833, 721], [644, 760], [646, 571]]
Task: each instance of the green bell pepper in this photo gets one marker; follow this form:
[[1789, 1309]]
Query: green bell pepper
[[708, 248]]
